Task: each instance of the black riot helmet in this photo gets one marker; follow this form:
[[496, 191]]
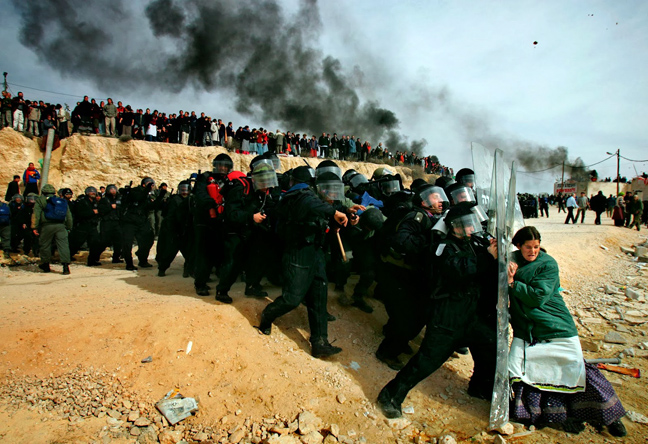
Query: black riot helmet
[[356, 180], [184, 188], [330, 186], [302, 174], [328, 166], [31, 199], [390, 184], [462, 220], [417, 183], [110, 188], [458, 193], [348, 174], [466, 176], [17, 198], [148, 183], [222, 164], [91, 192], [444, 182], [372, 219]]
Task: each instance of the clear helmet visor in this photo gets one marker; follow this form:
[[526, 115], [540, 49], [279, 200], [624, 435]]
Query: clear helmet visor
[[183, 189], [434, 198], [468, 180], [270, 162], [264, 179], [331, 190], [357, 180], [31, 198], [390, 186], [465, 226], [222, 166], [110, 189], [329, 169], [479, 212], [276, 163], [462, 194]]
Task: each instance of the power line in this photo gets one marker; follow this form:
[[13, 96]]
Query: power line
[[631, 160], [43, 90], [540, 171], [571, 166]]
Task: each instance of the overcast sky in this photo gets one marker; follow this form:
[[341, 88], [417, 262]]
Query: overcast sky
[[452, 71]]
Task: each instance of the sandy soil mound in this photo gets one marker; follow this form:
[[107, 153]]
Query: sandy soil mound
[[82, 161]]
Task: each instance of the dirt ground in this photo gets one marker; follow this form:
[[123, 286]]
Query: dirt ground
[[101, 322]]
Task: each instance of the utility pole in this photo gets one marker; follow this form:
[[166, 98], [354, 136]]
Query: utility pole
[[562, 181], [5, 81], [618, 153], [618, 179]]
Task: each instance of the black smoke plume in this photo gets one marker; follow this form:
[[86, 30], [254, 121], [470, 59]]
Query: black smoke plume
[[266, 60]]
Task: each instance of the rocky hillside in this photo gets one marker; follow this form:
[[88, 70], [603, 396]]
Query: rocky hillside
[[82, 161]]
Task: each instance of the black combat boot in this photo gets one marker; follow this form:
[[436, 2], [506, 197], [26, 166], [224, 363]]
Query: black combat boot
[[66, 269], [255, 292], [129, 264], [360, 303], [222, 296], [202, 290], [392, 361], [161, 272], [265, 326], [321, 348], [45, 267], [389, 407]]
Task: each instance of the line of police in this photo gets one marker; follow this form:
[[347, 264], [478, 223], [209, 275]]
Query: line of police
[[433, 264]]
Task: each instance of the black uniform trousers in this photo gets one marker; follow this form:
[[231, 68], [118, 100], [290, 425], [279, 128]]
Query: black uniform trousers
[[141, 232], [206, 248], [82, 233], [243, 252], [407, 305], [304, 281], [110, 234], [169, 243], [454, 323], [26, 236]]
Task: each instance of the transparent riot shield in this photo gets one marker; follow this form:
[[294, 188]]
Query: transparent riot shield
[[501, 193]]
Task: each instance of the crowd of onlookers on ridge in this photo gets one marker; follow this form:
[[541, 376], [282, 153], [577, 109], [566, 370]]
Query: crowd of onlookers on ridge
[[114, 119]]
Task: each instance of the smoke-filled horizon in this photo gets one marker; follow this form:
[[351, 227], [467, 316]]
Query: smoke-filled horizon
[[250, 49], [267, 61]]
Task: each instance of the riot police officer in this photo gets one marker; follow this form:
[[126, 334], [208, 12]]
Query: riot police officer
[[86, 227], [302, 222], [137, 203], [110, 224], [404, 277], [208, 221], [462, 312], [247, 229], [176, 232]]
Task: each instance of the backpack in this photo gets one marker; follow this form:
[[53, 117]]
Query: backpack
[[55, 209], [4, 214]]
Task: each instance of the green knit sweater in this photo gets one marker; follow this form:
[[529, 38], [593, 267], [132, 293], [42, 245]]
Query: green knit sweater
[[538, 311]]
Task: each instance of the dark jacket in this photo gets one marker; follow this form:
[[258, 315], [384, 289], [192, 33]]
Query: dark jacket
[[302, 217], [106, 211], [538, 311]]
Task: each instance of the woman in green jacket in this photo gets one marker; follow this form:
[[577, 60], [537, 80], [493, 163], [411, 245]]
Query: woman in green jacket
[[551, 383]]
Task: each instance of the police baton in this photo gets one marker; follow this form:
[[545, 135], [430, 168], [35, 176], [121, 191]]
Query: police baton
[[344, 256]]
